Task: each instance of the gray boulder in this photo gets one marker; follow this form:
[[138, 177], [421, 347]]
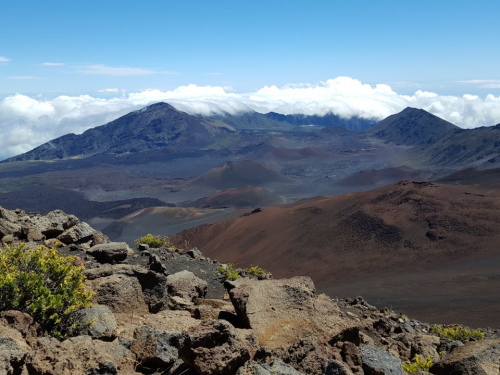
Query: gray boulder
[[186, 285], [82, 232], [97, 322], [377, 361], [156, 347], [112, 252]]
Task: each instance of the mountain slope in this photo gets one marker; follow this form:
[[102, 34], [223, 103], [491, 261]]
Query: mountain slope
[[243, 197], [156, 126], [413, 127], [233, 174], [433, 241], [479, 147]]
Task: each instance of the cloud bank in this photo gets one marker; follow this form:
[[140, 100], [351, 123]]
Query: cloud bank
[[26, 122]]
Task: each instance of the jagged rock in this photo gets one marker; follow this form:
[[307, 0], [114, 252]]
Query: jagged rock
[[13, 351], [79, 355], [186, 285], [156, 347], [143, 247], [283, 312], [112, 252], [81, 232], [120, 293], [97, 322], [215, 348], [477, 357], [277, 367], [379, 362], [334, 367], [21, 322], [9, 228]]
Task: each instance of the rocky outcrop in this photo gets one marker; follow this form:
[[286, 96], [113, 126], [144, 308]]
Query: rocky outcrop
[[18, 226], [479, 358], [283, 312], [13, 350]]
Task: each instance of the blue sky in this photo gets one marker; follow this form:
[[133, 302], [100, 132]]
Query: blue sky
[[247, 45]]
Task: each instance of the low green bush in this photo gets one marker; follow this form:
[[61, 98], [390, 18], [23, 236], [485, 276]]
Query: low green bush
[[227, 273], [45, 284], [256, 272], [457, 332], [153, 241], [418, 365]]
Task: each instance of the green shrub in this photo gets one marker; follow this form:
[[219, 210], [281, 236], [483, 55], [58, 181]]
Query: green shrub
[[457, 332], [227, 273], [45, 284], [257, 272], [417, 365], [153, 241]]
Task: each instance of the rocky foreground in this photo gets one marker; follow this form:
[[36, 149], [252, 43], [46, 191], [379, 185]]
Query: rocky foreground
[[165, 311]]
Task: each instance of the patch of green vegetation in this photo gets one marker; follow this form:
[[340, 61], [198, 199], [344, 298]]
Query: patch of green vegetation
[[418, 365], [45, 284], [230, 272], [457, 332], [226, 142], [257, 272], [154, 242], [227, 273]]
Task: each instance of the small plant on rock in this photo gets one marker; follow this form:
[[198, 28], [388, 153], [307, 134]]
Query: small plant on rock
[[257, 272], [228, 272], [45, 284], [457, 332], [154, 242], [418, 365]]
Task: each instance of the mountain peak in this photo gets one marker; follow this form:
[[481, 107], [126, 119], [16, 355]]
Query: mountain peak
[[412, 126]]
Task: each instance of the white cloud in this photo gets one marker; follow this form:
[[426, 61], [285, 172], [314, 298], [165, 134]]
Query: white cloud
[[38, 120], [53, 64], [109, 90], [4, 59], [115, 71]]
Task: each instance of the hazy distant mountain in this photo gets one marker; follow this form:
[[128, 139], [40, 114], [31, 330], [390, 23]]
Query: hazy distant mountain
[[330, 119], [413, 127], [156, 126], [479, 147]]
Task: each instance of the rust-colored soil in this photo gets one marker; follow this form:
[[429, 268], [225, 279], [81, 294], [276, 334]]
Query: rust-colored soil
[[427, 249]]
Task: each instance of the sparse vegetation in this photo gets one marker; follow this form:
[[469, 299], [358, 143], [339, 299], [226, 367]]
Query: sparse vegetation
[[45, 284], [457, 332], [228, 272], [256, 272], [154, 242], [418, 365]]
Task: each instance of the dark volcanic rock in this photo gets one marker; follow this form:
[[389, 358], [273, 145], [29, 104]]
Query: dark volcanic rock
[[379, 362]]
